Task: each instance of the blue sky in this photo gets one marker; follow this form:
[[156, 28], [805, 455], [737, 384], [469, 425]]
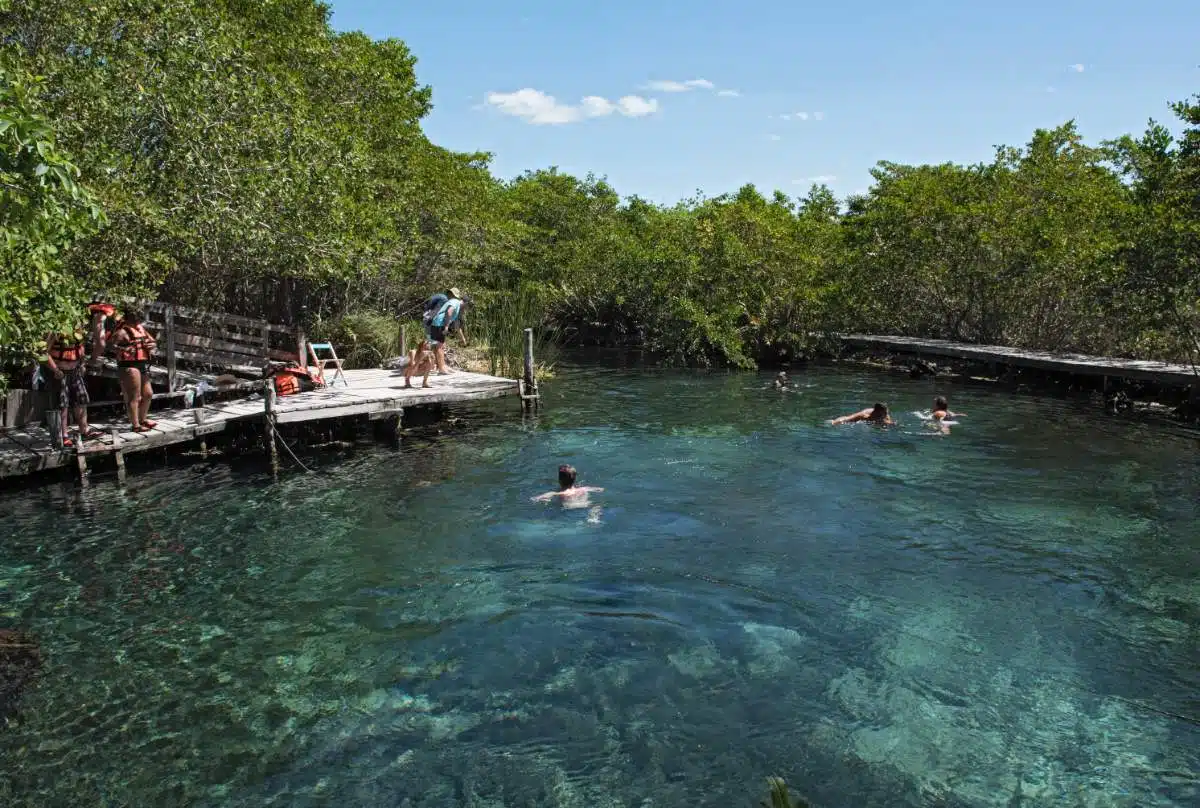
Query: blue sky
[[682, 96]]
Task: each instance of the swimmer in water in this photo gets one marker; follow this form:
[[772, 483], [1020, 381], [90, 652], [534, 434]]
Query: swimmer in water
[[941, 410], [573, 496], [875, 415], [781, 381]]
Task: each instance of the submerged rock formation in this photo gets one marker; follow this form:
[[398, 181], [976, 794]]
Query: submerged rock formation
[[20, 660]]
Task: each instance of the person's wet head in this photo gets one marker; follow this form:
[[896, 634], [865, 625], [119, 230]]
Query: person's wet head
[[566, 477], [940, 404], [879, 412]]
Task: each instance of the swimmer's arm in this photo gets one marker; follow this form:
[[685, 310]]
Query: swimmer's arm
[[850, 419], [591, 489], [546, 497]]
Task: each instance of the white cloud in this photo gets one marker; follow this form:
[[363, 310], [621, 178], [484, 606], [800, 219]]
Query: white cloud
[[634, 106], [774, 137], [669, 86], [1051, 90], [820, 179], [799, 116], [728, 93], [1078, 68], [537, 107], [593, 106]]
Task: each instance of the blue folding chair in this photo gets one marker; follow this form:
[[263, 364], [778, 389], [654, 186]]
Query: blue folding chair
[[323, 363]]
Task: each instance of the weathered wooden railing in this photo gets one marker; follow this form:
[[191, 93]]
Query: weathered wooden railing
[[219, 341]]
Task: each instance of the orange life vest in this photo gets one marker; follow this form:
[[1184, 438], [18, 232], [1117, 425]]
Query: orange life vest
[[287, 380], [139, 347], [67, 348]]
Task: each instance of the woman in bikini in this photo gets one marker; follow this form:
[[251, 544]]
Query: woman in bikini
[[134, 348]]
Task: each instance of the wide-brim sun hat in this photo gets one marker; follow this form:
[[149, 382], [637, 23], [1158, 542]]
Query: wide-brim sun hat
[[455, 293]]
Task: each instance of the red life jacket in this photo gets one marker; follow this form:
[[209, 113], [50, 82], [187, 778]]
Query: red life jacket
[[67, 348], [139, 347], [288, 380]]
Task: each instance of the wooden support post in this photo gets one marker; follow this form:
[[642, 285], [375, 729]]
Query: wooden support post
[[529, 393], [81, 462], [118, 454], [393, 425], [301, 348], [55, 426], [269, 406], [266, 342], [169, 327]]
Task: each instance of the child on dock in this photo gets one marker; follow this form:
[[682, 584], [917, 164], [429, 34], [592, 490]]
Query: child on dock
[[573, 496], [421, 362]]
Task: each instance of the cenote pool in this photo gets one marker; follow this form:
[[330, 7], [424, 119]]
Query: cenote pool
[[1002, 616]]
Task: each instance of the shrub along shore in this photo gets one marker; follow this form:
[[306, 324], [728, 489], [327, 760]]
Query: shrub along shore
[[245, 157]]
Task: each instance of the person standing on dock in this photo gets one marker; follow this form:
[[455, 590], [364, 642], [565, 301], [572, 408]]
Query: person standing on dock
[[65, 360], [135, 347], [447, 316]]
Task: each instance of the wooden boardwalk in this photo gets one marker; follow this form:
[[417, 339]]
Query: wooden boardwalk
[[374, 393], [1079, 364]]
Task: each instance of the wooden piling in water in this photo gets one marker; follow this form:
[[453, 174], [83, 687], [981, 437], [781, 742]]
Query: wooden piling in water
[[269, 407], [529, 391], [118, 455]]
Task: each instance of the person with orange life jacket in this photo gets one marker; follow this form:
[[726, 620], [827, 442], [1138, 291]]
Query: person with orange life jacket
[[65, 359], [103, 323], [134, 348]]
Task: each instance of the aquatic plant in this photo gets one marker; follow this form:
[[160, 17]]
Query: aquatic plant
[[497, 321], [778, 796]]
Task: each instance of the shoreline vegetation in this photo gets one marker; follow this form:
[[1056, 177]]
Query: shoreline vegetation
[[246, 157]]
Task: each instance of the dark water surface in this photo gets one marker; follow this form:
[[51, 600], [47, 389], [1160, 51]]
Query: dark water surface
[[1005, 615]]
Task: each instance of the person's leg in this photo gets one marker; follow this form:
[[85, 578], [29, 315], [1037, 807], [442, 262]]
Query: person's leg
[[411, 367], [131, 389], [146, 398], [58, 394], [80, 400]]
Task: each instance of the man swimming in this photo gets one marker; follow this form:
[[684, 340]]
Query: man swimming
[[573, 496], [876, 415], [941, 410], [782, 381]]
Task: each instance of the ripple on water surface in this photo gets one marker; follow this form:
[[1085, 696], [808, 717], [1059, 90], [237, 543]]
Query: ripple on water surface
[[1001, 615]]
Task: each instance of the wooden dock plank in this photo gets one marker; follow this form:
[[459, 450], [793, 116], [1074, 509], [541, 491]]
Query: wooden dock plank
[[1080, 364], [375, 393]]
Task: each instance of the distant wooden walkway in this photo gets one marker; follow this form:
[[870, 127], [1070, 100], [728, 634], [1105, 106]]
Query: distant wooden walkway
[[1079, 364], [375, 393]]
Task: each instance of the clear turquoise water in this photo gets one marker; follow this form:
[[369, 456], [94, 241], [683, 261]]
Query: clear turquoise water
[[1005, 615]]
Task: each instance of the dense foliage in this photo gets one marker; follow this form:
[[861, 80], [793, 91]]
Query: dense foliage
[[242, 155]]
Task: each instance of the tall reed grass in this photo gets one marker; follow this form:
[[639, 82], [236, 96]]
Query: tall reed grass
[[496, 322]]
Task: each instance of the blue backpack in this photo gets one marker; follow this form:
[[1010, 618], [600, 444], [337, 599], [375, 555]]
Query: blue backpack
[[432, 305]]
